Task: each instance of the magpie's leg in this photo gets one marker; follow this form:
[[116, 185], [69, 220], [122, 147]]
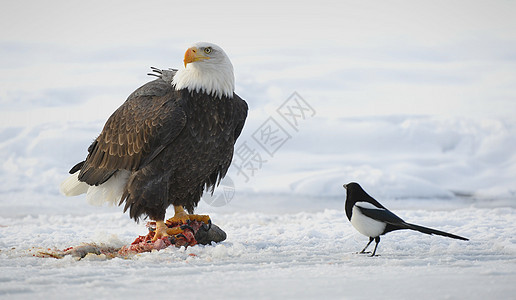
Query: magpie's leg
[[370, 241], [377, 241]]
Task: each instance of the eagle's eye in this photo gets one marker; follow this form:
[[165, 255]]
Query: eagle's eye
[[207, 50]]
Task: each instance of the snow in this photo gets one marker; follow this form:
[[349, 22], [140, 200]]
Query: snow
[[266, 255], [419, 112]]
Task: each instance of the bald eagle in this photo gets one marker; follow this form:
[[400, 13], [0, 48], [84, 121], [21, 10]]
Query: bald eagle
[[172, 139]]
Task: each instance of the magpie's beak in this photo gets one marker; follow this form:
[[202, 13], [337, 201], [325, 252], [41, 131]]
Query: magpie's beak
[[345, 186]]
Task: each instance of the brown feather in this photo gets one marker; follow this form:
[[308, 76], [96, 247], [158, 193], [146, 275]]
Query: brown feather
[[175, 143]]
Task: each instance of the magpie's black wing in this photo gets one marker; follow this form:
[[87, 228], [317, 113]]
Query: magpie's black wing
[[382, 215], [385, 215]]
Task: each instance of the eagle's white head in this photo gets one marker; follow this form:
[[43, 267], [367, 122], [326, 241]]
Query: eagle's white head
[[207, 69]]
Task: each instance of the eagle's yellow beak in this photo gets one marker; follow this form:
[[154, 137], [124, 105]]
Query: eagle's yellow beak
[[194, 54]]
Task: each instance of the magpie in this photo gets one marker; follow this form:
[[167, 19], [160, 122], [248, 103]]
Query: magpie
[[372, 219]]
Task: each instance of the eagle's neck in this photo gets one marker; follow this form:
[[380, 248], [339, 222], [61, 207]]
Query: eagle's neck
[[217, 81]]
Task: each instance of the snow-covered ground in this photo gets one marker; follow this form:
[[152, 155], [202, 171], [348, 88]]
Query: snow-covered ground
[[297, 254], [415, 101]]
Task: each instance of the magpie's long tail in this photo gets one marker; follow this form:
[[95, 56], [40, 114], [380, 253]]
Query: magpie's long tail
[[434, 231]]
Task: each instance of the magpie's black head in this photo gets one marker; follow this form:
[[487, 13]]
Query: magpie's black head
[[352, 186], [355, 193]]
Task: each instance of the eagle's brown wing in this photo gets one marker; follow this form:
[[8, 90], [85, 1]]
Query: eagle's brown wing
[[149, 120]]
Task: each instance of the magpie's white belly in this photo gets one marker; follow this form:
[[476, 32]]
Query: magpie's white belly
[[365, 225]]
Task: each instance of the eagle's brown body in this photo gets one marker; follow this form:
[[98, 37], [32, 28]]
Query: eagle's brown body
[[175, 143]]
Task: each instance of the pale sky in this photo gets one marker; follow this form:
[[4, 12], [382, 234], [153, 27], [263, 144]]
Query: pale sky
[[351, 57]]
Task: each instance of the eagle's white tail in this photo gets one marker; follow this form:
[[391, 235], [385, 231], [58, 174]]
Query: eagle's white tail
[[71, 186], [110, 191]]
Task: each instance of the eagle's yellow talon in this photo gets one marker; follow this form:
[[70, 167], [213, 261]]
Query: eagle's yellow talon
[[170, 227], [201, 218], [161, 230], [181, 217], [174, 231]]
